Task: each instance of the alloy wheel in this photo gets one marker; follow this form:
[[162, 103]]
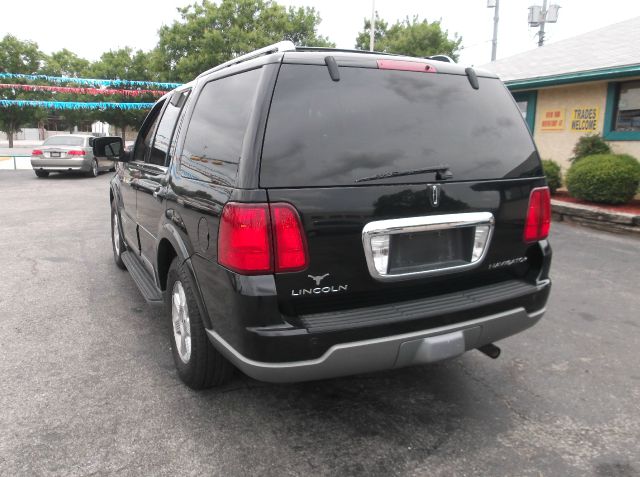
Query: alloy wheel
[[181, 322]]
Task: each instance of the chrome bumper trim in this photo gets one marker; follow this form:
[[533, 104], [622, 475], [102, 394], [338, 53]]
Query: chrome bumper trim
[[426, 223]]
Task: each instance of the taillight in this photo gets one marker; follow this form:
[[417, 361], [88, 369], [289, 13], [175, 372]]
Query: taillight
[[76, 153], [36, 152], [403, 65], [538, 215], [289, 239], [261, 238], [244, 243]]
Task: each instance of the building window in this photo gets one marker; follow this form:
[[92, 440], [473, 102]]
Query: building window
[[622, 120], [527, 104]]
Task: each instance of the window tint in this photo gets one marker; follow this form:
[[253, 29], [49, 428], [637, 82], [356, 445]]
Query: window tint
[[628, 107], [166, 126], [324, 133], [143, 145], [213, 142]]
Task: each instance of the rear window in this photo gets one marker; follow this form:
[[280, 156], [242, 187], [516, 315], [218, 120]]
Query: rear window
[[326, 133], [64, 141]]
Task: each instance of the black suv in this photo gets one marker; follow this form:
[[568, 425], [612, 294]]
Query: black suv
[[309, 213]]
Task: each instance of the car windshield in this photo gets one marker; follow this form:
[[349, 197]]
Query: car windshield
[[64, 141]]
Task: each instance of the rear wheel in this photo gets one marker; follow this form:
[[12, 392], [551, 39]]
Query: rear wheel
[[199, 364], [94, 169], [116, 237], [41, 173]]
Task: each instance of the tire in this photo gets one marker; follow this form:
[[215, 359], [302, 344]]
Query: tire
[[41, 173], [95, 171], [199, 364], [116, 237]]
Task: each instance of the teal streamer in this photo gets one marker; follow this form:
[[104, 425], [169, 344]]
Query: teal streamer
[[92, 81], [73, 105]]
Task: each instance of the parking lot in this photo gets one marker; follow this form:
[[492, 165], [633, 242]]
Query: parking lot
[[88, 384]]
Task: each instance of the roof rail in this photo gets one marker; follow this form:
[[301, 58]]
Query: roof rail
[[342, 50], [444, 58], [276, 47]]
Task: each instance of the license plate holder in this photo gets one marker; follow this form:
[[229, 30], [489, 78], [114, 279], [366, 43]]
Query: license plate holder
[[432, 249], [430, 255]]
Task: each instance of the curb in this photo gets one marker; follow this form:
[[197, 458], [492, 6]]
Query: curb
[[595, 217]]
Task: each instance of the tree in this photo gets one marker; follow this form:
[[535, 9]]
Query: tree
[[364, 37], [412, 37], [209, 34], [124, 64], [67, 63], [22, 57]]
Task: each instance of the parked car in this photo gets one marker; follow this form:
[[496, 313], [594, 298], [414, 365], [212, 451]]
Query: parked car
[[309, 213], [68, 152]]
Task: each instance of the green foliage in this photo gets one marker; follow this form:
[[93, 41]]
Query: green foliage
[[604, 178], [364, 37], [67, 63], [413, 37], [209, 34], [18, 57], [124, 64], [553, 174], [589, 145]]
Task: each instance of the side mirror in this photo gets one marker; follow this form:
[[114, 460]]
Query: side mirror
[[110, 147]]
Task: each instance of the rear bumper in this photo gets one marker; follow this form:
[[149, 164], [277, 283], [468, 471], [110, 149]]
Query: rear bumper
[[62, 164], [387, 352]]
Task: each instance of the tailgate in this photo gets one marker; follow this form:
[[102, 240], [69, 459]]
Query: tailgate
[[426, 263]]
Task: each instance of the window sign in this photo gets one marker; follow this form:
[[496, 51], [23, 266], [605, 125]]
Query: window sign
[[553, 120], [585, 119]]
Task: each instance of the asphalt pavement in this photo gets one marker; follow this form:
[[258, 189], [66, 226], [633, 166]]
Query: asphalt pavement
[[88, 386]]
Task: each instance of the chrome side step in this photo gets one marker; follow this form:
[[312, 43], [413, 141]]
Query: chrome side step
[[145, 282]]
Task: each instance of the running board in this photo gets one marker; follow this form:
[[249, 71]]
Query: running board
[[143, 279]]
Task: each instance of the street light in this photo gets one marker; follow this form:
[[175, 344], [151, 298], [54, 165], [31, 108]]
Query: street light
[[541, 15]]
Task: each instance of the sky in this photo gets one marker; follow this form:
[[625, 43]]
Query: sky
[[90, 30]]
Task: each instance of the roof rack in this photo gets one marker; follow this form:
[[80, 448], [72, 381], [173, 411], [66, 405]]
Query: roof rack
[[276, 47], [343, 50]]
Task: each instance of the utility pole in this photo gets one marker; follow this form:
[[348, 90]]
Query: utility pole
[[494, 42], [541, 31], [541, 15], [372, 32]]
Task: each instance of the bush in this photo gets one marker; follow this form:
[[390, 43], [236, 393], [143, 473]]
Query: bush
[[589, 145], [604, 178], [553, 174]]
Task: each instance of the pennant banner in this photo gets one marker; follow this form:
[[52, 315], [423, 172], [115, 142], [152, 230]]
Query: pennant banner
[[92, 82], [73, 104], [90, 91]]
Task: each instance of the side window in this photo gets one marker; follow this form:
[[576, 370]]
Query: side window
[[627, 117], [143, 143], [166, 127], [213, 142]]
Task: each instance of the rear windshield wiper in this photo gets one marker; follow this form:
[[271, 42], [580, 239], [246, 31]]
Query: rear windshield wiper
[[443, 172]]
